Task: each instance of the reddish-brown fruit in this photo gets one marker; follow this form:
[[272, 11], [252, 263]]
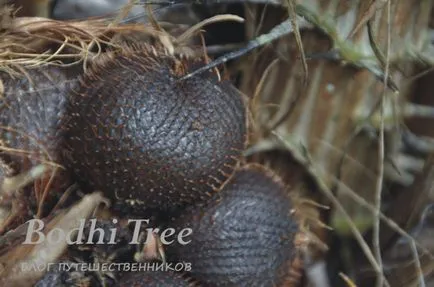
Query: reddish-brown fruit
[[244, 235], [146, 138]]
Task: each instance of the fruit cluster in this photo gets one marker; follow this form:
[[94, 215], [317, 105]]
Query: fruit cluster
[[156, 144]]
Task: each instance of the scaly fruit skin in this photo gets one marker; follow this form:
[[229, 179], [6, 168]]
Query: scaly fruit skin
[[143, 136], [32, 105], [153, 279], [243, 236]]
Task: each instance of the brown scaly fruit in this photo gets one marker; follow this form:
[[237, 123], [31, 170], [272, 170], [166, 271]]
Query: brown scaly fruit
[[32, 102], [145, 137], [244, 236]]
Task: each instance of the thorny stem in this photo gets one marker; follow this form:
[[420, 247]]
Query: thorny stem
[[278, 31], [343, 51]]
